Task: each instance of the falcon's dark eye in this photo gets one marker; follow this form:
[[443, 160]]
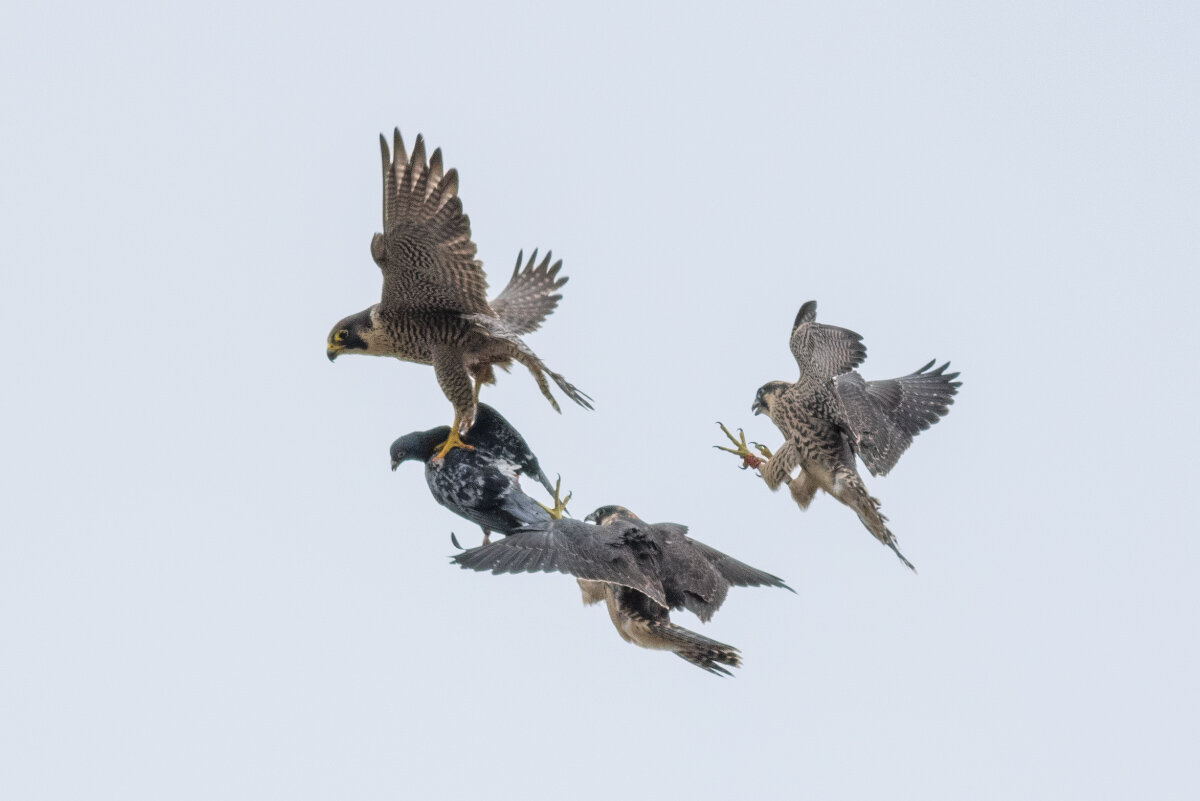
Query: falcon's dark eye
[[340, 336]]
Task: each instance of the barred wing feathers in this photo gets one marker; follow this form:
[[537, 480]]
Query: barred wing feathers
[[884, 416], [425, 251]]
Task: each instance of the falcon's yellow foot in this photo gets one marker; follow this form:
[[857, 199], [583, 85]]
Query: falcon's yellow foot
[[763, 449], [742, 450], [452, 442], [560, 506]]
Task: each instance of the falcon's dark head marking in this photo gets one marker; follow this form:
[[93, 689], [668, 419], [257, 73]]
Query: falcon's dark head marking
[[608, 514], [358, 333], [418, 445], [767, 394]]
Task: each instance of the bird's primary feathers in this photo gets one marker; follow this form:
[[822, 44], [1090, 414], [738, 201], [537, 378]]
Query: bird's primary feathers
[[831, 414], [481, 483], [434, 308], [642, 571]]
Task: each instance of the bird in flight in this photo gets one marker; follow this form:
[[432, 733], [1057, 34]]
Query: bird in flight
[[830, 415], [434, 308], [641, 571], [482, 483]]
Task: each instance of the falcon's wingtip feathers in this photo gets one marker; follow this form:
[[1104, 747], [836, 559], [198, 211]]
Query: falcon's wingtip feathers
[[418, 153], [807, 314]]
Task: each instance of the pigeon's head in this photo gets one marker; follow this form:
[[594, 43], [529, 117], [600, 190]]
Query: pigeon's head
[[767, 395], [418, 445]]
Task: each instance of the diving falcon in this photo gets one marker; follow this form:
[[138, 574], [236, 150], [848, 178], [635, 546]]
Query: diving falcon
[[830, 415], [641, 571], [434, 308]]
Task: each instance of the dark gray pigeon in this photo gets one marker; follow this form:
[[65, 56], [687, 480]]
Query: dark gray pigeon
[[481, 483]]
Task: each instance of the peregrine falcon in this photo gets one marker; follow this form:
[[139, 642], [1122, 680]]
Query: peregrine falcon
[[831, 414], [481, 483], [434, 309], [641, 571]]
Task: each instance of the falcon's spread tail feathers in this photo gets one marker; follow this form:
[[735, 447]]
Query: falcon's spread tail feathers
[[497, 327], [850, 490], [530, 295], [702, 652], [884, 416]]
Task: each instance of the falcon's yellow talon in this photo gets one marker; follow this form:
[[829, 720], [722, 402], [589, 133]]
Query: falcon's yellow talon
[[560, 506], [452, 442], [742, 450], [763, 449]]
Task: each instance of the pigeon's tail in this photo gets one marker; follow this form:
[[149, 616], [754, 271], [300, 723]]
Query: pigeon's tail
[[531, 294], [541, 479], [702, 652], [545, 482], [523, 510]]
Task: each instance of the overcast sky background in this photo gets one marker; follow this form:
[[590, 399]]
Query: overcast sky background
[[211, 585]]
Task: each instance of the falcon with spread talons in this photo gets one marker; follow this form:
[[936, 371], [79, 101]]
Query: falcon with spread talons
[[434, 308], [641, 571], [831, 415], [482, 482], [742, 450]]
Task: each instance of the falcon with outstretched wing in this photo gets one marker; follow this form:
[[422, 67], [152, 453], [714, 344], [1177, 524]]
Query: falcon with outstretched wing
[[434, 308], [831, 414], [640, 570]]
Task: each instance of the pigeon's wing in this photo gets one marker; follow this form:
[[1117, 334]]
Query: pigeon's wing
[[425, 251], [475, 486], [884, 416], [619, 553], [531, 294], [492, 432], [824, 351]]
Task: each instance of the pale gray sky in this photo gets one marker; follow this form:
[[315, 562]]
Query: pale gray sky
[[211, 586]]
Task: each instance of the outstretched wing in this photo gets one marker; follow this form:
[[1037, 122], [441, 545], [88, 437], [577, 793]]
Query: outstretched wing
[[688, 579], [425, 250], [697, 576], [739, 574], [597, 553], [824, 351], [884, 416], [531, 294]]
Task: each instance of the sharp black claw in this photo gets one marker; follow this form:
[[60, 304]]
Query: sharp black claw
[[454, 540]]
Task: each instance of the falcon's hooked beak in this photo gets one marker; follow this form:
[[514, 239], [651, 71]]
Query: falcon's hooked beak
[[758, 407], [395, 462], [332, 351], [592, 518]]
